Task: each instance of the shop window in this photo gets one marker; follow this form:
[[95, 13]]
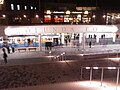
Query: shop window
[[47, 18], [58, 19]]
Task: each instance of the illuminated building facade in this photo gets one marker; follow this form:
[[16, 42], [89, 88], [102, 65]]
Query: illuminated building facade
[[36, 12], [60, 12]]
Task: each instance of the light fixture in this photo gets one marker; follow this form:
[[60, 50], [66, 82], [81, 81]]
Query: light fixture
[[93, 16], [67, 12], [48, 12], [24, 16], [86, 12], [104, 16], [4, 16], [36, 16]]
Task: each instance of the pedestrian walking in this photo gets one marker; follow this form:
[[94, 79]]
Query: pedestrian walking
[[13, 49], [4, 55], [90, 43], [8, 49]]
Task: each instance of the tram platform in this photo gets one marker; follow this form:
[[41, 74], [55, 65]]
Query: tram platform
[[55, 51]]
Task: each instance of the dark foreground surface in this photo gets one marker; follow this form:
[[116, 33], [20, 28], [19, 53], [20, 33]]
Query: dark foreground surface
[[43, 73]]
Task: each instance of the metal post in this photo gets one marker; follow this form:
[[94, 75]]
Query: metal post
[[40, 42], [102, 76], [118, 72], [61, 56], [81, 72], [90, 74], [117, 53]]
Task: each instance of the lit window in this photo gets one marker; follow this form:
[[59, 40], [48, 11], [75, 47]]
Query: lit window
[[25, 7], [67, 12], [31, 7], [24, 16], [36, 16], [18, 7], [12, 7], [48, 12], [4, 16]]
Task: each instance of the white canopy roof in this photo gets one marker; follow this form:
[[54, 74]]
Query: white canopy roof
[[42, 29]]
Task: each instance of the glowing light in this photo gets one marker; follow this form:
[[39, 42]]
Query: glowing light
[[111, 67], [4, 16], [67, 12], [48, 12], [91, 84], [95, 67], [24, 16], [104, 16], [36, 16], [86, 12], [93, 16], [63, 53], [49, 52], [1, 1], [57, 12], [76, 12], [81, 54], [87, 67]]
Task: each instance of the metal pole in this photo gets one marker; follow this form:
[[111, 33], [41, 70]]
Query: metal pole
[[102, 76], [40, 42], [81, 73], [118, 72], [90, 74]]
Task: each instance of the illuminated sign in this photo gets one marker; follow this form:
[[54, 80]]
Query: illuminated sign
[[35, 30], [1, 1]]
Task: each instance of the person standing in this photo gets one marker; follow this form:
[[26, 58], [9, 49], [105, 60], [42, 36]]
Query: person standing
[[4, 55], [90, 43]]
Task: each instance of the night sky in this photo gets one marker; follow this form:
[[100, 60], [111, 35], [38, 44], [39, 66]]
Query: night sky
[[105, 4]]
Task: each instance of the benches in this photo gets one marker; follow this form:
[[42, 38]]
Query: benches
[[33, 48], [21, 49]]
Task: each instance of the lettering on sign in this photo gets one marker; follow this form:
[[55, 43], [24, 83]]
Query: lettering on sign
[[54, 30]]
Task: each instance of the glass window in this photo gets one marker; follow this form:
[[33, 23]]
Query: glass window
[[58, 18], [31, 7], [47, 18], [18, 7], [12, 6], [25, 7]]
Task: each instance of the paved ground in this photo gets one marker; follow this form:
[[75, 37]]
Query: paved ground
[[30, 57], [82, 85], [17, 57]]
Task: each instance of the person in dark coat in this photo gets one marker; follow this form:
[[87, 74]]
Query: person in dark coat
[[4, 55], [8, 49], [90, 43]]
